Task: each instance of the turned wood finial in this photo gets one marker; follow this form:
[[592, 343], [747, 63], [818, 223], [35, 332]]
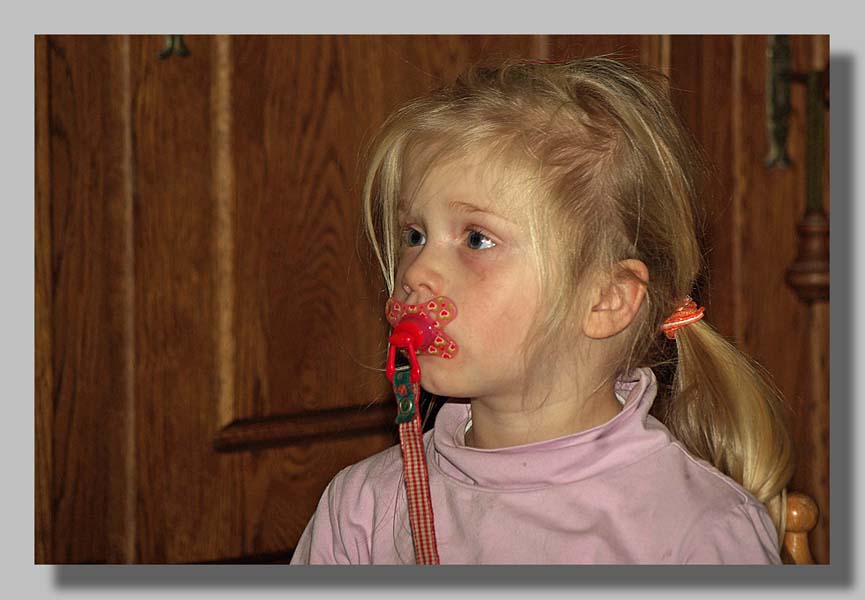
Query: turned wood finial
[[802, 516], [809, 275]]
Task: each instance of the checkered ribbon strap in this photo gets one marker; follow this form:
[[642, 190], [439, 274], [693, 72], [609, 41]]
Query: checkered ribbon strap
[[420, 512]]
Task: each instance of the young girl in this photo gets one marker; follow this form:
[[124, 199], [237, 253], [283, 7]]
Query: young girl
[[555, 205]]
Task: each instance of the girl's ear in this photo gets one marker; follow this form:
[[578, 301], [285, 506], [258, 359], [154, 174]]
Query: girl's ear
[[616, 300]]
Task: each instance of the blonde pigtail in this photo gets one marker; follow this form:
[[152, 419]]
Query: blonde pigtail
[[726, 410]]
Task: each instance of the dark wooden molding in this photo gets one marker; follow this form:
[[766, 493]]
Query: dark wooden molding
[[268, 558], [287, 430], [809, 274]]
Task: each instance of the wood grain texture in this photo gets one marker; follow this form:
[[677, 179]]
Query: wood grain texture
[[775, 323], [657, 52], [802, 515], [224, 200], [812, 407], [282, 487], [702, 91], [43, 297], [189, 501], [813, 430], [635, 48], [769, 221], [303, 108], [277, 430], [295, 296], [719, 86], [820, 388], [86, 250], [125, 276]]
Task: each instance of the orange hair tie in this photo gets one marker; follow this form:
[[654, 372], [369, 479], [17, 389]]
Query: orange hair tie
[[686, 314]]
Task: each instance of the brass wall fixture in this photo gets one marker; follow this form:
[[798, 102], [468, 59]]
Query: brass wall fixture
[[174, 46], [778, 99], [809, 274]]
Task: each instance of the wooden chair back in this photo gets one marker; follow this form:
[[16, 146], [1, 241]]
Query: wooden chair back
[[802, 516]]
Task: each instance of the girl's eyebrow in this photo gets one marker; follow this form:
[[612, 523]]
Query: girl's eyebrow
[[468, 208], [455, 205], [459, 206]]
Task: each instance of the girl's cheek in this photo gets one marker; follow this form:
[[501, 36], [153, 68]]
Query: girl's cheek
[[484, 263], [403, 262], [480, 272]]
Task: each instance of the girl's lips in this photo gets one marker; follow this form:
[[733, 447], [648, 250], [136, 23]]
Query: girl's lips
[[423, 324], [417, 329]]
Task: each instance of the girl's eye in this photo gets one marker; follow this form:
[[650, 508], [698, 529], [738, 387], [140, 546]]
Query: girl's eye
[[478, 240], [412, 237]]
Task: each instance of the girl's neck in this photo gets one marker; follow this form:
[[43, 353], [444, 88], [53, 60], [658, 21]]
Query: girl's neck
[[497, 425]]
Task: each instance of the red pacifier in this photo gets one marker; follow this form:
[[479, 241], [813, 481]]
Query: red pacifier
[[417, 328]]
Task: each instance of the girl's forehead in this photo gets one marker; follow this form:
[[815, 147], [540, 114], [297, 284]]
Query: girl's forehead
[[474, 182]]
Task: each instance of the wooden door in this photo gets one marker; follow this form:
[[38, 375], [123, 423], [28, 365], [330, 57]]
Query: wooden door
[[719, 84], [209, 331]]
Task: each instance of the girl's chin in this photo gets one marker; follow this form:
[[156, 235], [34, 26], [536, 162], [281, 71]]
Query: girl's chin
[[433, 374], [437, 377]]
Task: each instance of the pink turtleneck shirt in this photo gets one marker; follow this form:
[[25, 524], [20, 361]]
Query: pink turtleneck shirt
[[625, 492]]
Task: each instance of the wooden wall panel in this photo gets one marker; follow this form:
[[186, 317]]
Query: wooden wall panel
[[701, 87], [644, 48], [718, 83], [303, 108], [775, 323], [190, 498], [297, 292], [282, 486], [812, 424], [43, 299], [83, 221]]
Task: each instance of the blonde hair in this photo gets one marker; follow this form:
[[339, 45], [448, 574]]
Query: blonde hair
[[600, 142]]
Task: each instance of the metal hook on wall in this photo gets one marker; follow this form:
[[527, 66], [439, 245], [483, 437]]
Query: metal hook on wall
[[174, 45], [809, 274], [779, 79], [777, 100]]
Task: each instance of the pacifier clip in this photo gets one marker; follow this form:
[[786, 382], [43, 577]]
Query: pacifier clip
[[417, 329]]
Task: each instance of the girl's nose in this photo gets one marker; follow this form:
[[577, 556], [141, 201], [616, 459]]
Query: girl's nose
[[422, 280]]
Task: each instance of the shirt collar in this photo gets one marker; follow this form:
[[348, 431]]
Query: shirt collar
[[625, 438]]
